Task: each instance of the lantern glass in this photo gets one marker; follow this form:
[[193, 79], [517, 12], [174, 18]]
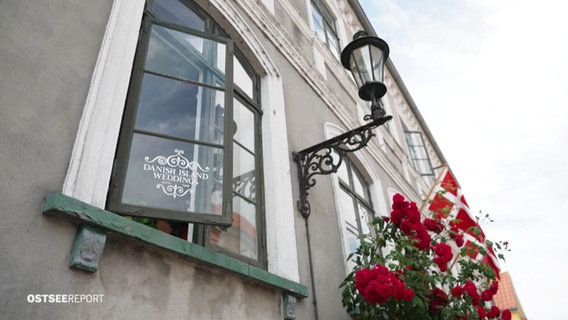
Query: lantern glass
[[366, 64]]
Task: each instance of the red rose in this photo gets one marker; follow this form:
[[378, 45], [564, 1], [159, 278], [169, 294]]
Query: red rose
[[409, 295], [471, 290], [506, 314], [457, 291], [396, 216], [481, 312], [459, 240], [432, 225], [363, 277], [494, 312]]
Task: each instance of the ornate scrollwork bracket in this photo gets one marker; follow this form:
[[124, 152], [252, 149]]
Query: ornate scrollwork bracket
[[326, 157]]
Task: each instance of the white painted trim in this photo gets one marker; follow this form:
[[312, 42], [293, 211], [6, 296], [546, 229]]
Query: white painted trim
[[91, 162], [280, 211]]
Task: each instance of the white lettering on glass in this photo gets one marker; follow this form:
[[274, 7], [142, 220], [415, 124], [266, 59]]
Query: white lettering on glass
[[176, 174]]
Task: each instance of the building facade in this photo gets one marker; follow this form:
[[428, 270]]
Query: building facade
[[148, 158]]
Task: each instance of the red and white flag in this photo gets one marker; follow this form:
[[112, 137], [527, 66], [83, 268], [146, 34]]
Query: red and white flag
[[446, 201]]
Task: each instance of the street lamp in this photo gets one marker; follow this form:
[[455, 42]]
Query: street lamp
[[364, 57]]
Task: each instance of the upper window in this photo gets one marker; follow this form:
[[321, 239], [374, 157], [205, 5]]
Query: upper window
[[324, 26], [418, 154], [355, 206]]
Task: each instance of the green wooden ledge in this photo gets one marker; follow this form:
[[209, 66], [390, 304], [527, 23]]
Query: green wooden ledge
[[60, 205]]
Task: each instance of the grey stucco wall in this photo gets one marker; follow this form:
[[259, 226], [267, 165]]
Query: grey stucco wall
[[48, 51]]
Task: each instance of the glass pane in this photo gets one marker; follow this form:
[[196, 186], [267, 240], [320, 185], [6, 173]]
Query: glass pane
[[360, 64], [173, 175], [359, 185], [185, 56], [241, 237], [244, 181], [244, 121], [377, 63], [180, 109], [342, 171], [242, 78], [365, 216], [333, 43], [176, 12], [317, 20], [351, 232]]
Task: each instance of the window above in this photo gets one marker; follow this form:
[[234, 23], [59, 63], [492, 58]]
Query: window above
[[418, 154], [324, 26]]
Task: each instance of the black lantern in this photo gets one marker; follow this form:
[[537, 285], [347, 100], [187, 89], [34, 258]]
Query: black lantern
[[365, 57]]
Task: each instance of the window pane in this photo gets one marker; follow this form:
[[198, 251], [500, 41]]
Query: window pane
[[359, 185], [351, 233], [333, 42], [173, 175], [176, 12], [244, 172], [242, 78], [366, 218], [185, 56], [244, 121], [180, 109], [241, 237]]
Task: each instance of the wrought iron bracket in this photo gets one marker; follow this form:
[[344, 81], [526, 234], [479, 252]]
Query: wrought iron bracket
[[320, 158]]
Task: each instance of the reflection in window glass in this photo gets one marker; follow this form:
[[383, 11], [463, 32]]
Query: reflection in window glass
[[180, 109], [176, 12], [179, 54], [241, 237], [244, 120]]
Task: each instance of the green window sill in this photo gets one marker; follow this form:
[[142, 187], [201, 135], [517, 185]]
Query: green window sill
[[60, 205]]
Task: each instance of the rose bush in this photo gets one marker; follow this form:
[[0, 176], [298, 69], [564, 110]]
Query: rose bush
[[414, 268]]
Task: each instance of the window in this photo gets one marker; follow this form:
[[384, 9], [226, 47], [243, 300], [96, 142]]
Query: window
[[188, 127], [243, 238], [355, 206], [324, 26], [418, 154]]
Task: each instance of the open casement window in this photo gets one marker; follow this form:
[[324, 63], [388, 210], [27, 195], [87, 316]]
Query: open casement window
[[418, 153], [355, 207], [324, 26], [174, 156]]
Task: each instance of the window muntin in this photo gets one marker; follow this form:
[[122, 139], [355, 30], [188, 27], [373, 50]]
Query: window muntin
[[418, 154], [173, 153], [324, 26]]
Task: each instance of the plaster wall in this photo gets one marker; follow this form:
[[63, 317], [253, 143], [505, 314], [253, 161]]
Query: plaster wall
[[47, 57]]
